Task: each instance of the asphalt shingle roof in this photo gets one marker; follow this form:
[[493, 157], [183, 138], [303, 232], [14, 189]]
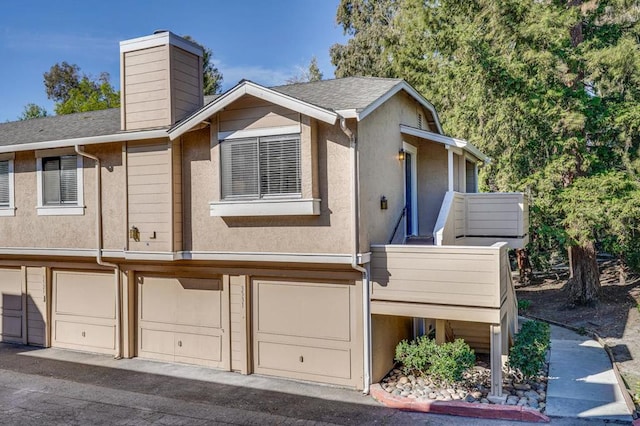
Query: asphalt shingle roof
[[345, 93], [82, 124]]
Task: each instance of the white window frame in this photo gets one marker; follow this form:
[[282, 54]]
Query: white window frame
[[414, 186], [285, 205], [11, 209], [62, 210]]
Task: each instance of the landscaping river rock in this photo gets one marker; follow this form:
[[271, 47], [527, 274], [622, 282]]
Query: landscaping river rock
[[474, 388]]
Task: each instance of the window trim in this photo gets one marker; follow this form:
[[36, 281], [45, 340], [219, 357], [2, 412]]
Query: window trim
[[61, 210], [9, 210], [267, 134]]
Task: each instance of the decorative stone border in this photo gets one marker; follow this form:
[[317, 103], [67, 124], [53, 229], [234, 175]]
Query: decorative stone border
[[459, 408]]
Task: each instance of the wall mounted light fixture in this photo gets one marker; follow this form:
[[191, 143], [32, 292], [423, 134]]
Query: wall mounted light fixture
[[401, 155], [383, 203]]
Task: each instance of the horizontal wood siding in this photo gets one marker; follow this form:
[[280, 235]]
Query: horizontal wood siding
[[445, 275], [146, 88], [495, 214], [149, 196], [176, 171], [253, 113], [36, 306], [186, 83]]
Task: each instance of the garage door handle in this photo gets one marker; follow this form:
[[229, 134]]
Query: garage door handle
[[84, 334], [179, 343], [301, 358]]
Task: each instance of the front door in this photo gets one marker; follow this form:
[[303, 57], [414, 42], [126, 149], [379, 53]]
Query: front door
[[410, 189]]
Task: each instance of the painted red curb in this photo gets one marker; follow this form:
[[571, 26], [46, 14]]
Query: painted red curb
[[460, 408]]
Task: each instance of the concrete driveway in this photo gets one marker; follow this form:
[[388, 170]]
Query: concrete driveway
[[51, 386]]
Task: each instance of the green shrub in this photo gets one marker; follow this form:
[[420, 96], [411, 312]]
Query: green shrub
[[446, 362], [524, 304], [530, 347]]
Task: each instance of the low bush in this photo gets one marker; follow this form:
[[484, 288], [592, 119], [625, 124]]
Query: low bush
[[530, 347], [446, 362], [523, 304]]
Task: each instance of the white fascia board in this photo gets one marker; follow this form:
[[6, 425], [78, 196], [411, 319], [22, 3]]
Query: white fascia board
[[160, 39], [403, 85], [342, 259], [90, 140], [253, 89], [348, 113], [446, 140]]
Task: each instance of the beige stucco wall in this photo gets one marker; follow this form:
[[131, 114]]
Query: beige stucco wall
[[386, 332], [328, 232], [382, 174], [27, 229]]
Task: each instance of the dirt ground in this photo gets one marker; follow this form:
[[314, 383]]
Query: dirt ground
[[616, 318]]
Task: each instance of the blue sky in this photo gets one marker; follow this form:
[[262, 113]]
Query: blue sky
[[265, 41]]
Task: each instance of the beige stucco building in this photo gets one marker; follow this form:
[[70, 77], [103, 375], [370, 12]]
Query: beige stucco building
[[299, 231]]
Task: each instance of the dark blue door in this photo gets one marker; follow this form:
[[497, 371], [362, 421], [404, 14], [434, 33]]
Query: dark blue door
[[408, 191]]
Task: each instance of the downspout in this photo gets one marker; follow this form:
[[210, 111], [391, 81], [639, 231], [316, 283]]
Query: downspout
[[366, 308], [99, 260]]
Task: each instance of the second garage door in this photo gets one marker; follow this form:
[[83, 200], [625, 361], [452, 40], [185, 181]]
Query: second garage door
[[83, 314], [180, 319], [306, 331]]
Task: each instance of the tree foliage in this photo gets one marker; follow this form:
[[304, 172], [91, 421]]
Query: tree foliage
[[211, 75], [549, 89], [32, 111], [73, 92]]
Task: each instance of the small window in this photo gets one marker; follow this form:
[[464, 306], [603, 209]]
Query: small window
[[60, 181], [263, 167], [5, 182], [7, 203]]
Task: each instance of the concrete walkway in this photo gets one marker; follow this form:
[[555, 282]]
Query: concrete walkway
[[582, 383]]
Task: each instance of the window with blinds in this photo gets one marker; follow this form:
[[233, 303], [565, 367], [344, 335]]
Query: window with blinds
[[60, 180], [4, 184], [261, 167]]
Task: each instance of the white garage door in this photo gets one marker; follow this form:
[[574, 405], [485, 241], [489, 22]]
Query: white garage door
[[84, 306], [11, 305], [306, 331], [180, 320]]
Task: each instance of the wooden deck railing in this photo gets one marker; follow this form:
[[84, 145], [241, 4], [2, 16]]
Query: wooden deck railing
[[481, 219]]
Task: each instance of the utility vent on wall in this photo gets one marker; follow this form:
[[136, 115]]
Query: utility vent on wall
[[419, 121]]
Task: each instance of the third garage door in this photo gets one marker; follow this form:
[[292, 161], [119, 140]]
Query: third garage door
[[306, 331], [180, 319]]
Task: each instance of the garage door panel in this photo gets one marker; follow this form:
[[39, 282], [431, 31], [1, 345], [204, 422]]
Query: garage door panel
[[10, 289], [10, 327], [199, 302], [304, 359], [11, 301], [321, 311], [85, 335], [156, 341], [156, 296], [85, 294], [197, 346]]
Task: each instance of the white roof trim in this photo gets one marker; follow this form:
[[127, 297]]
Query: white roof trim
[[446, 140], [253, 89], [160, 39], [403, 85], [89, 140]]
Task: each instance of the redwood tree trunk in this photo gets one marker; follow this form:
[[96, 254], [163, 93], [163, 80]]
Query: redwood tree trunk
[[583, 286], [524, 266]]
